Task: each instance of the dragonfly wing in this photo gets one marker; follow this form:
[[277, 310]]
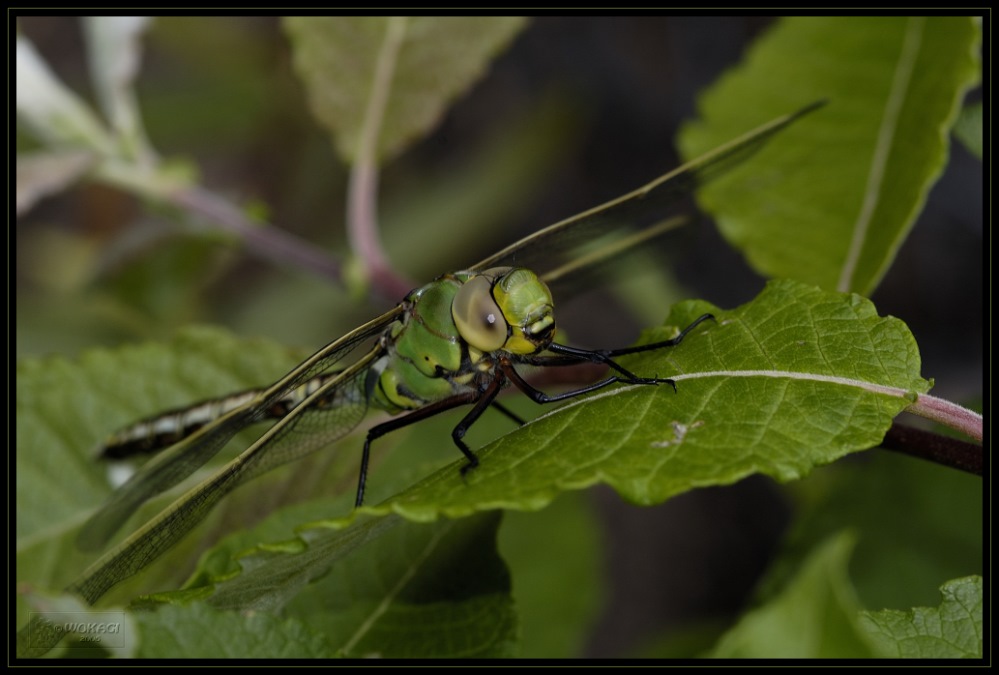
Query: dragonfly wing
[[174, 465], [326, 415], [597, 264], [540, 251]]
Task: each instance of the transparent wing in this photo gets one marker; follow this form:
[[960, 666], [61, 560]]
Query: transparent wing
[[329, 413], [337, 405], [547, 250]]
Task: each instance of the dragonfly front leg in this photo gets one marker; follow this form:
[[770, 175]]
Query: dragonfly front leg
[[567, 356], [570, 355], [660, 345], [539, 396], [573, 356]]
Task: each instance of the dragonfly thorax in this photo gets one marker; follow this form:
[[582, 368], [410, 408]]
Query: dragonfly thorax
[[453, 331], [505, 308]]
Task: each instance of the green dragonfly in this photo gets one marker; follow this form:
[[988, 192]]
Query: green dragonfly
[[457, 341]]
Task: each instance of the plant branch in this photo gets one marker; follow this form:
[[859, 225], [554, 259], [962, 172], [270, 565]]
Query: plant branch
[[933, 447], [266, 242], [261, 239], [362, 193]]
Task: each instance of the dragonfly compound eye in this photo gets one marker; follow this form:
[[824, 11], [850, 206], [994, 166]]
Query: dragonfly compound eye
[[477, 316]]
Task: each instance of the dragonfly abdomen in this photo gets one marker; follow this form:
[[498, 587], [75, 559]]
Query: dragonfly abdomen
[[155, 433]]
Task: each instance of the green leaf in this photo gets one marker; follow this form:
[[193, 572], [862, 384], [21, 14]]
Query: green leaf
[[65, 408], [437, 590], [199, 631], [908, 538], [390, 78], [952, 630], [192, 631], [968, 128], [557, 603], [814, 616], [854, 176], [694, 639]]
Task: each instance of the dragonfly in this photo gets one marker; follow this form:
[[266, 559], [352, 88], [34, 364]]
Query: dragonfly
[[458, 341]]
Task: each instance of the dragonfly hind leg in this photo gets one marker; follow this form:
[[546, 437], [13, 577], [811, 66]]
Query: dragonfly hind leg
[[481, 398], [487, 398], [509, 413]]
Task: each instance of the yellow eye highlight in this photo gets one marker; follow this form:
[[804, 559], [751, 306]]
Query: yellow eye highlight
[[478, 318]]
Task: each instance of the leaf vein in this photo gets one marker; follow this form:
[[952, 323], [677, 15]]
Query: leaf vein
[[882, 149]]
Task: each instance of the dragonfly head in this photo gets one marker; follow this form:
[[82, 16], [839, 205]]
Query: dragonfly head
[[506, 308]]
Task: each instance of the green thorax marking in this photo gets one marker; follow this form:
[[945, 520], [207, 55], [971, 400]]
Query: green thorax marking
[[452, 328]]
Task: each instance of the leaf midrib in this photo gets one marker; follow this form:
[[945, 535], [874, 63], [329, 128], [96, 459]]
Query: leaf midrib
[[775, 374], [882, 149]]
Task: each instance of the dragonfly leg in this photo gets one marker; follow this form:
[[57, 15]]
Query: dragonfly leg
[[487, 397], [565, 355], [574, 356], [482, 398], [413, 417], [539, 396], [509, 413], [665, 343]]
